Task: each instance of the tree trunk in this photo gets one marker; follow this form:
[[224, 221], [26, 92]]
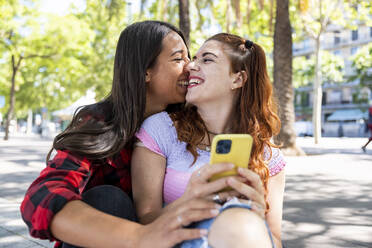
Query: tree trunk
[[228, 16], [283, 88], [317, 94], [236, 7], [183, 6], [29, 122], [12, 96]]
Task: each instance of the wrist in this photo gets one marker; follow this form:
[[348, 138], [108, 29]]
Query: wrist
[[130, 234], [139, 235]]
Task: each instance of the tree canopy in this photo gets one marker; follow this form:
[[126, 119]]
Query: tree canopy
[[62, 56]]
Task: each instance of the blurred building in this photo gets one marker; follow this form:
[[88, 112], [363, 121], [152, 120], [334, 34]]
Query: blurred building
[[344, 105]]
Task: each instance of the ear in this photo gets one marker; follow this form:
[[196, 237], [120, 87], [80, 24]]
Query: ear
[[148, 76], [240, 79]]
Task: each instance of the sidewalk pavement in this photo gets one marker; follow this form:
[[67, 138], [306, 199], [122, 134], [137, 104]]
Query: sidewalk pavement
[[328, 195], [21, 159], [327, 200]]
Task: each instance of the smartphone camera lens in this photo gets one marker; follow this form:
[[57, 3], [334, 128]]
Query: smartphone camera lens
[[223, 146]]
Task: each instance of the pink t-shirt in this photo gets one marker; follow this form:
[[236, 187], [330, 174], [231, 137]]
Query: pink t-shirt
[[159, 135]]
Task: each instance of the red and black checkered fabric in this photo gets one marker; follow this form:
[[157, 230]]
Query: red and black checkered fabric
[[64, 179]]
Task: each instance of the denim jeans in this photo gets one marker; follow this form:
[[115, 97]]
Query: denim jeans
[[111, 200], [206, 224]]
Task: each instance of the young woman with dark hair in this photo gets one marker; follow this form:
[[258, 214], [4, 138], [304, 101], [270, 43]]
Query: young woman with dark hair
[[229, 91], [83, 196]]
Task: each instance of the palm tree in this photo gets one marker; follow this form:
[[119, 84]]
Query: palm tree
[[283, 78], [184, 21]]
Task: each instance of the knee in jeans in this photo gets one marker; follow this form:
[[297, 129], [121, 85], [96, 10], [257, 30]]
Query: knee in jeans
[[238, 227]]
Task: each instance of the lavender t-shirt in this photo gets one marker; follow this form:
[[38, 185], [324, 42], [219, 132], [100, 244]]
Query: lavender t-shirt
[[159, 135]]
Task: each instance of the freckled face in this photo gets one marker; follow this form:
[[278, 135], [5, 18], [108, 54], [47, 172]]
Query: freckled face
[[166, 79], [210, 75]]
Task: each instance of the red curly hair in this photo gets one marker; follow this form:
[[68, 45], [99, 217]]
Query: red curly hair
[[255, 111]]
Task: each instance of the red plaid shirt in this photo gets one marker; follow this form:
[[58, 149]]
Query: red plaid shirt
[[64, 179]]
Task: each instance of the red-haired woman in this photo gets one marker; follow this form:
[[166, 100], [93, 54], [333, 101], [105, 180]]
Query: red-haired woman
[[229, 91]]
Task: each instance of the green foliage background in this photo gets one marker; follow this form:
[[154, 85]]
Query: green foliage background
[[75, 52]]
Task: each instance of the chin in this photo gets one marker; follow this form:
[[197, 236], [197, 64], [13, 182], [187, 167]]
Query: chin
[[189, 100], [178, 100]]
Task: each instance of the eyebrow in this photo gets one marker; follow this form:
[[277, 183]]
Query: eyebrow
[[178, 51], [205, 54]]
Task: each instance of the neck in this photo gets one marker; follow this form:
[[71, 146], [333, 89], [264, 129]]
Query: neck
[[216, 117], [153, 106]]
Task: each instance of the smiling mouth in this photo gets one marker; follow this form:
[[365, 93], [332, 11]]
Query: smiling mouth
[[195, 81], [183, 83]]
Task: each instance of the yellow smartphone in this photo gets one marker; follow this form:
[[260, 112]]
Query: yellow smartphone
[[231, 148]]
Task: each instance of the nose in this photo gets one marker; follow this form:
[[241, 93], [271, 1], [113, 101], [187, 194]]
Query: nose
[[191, 66]]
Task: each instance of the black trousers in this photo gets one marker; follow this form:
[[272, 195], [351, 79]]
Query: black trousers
[[111, 200]]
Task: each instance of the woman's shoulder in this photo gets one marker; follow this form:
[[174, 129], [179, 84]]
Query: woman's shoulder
[[274, 159], [158, 133], [158, 116], [159, 120]]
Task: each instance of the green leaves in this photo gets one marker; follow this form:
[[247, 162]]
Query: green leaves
[[65, 55], [332, 67], [362, 64], [62, 56]]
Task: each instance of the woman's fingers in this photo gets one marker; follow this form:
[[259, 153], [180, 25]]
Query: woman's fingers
[[257, 208], [211, 187], [246, 190], [198, 203], [208, 170], [253, 178], [223, 196], [179, 235], [167, 230], [186, 216]]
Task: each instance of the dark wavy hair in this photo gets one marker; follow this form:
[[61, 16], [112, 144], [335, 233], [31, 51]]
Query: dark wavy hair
[[255, 110], [101, 130]]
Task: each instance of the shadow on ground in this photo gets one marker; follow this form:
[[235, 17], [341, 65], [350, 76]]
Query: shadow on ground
[[13, 233], [320, 211], [14, 185], [317, 151]]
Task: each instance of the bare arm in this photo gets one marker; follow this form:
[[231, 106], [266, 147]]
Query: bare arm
[[79, 224], [255, 192], [276, 186], [98, 229], [95, 228], [148, 170]]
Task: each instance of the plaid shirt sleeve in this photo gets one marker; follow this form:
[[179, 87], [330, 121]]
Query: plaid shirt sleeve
[[60, 182]]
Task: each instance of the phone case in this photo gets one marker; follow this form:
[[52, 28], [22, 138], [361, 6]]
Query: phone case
[[240, 151]]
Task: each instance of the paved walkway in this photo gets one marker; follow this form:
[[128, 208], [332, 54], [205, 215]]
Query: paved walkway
[[328, 197], [327, 201], [21, 159]]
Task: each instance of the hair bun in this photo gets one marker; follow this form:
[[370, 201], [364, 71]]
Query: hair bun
[[248, 44]]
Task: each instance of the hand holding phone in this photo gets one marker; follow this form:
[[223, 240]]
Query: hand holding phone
[[231, 148]]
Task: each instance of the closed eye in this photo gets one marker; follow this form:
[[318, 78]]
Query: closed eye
[[206, 60]]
